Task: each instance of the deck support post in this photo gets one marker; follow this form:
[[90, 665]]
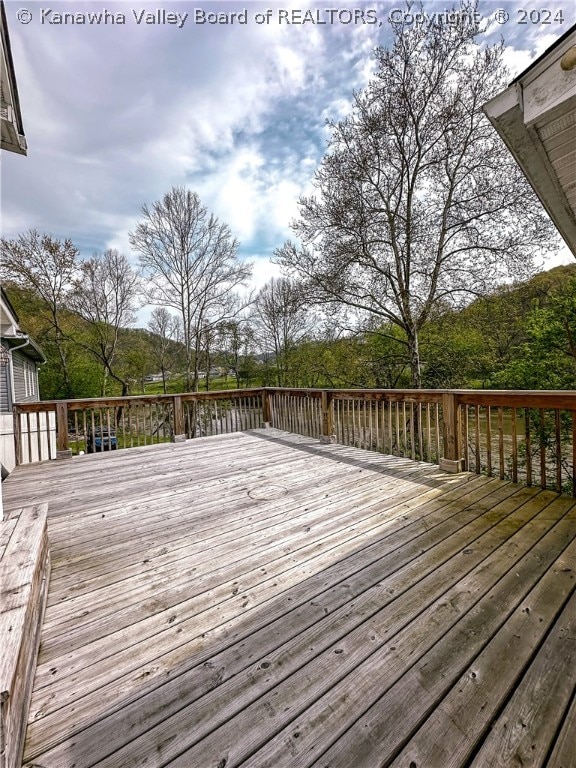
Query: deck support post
[[266, 410], [179, 433], [62, 449], [452, 461], [327, 437]]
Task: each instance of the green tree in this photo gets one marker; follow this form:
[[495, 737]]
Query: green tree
[[548, 358], [44, 267], [104, 296]]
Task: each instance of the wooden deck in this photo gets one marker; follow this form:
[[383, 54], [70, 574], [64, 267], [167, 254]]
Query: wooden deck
[[259, 599]]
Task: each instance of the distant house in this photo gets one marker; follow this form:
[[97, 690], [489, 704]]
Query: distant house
[[536, 118], [20, 358]]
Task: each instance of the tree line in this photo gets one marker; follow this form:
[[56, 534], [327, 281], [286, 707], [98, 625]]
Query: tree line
[[520, 336], [418, 219]]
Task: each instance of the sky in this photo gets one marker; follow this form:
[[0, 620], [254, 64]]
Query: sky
[[118, 112]]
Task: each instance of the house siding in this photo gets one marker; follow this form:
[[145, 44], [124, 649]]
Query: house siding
[[5, 400], [25, 379]]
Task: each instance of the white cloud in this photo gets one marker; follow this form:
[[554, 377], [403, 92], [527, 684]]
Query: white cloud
[[263, 271], [117, 116]]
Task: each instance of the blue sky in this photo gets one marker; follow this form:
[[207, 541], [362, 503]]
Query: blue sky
[[116, 114]]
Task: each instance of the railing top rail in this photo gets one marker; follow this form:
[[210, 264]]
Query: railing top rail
[[374, 390], [551, 399], [556, 399], [519, 398], [96, 402]]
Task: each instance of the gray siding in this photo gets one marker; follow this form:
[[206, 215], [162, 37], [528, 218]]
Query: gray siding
[[5, 401], [25, 379]]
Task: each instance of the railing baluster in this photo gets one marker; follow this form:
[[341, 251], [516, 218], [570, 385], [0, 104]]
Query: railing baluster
[[514, 448], [501, 443], [477, 438], [489, 440], [528, 447], [543, 478], [574, 453], [558, 451], [412, 433], [38, 436], [108, 437], [438, 441], [420, 433], [29, 437], [466, 445]]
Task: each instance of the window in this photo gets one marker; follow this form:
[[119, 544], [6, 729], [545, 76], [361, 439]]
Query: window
[[29, 379]]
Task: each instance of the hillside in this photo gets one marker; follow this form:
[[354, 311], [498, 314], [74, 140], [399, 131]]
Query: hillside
[[522, 336]]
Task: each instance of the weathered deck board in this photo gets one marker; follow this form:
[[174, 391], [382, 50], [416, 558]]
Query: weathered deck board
[[261, 600], [24, 574]]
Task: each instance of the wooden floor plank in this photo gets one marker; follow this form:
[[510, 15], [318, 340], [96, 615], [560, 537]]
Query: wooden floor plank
[[562, 755], [189, 653], [532, 583], [94, 660], [525, 732], [195, 621], [319, 705], [406, 591], [337, 521], [359, 584]]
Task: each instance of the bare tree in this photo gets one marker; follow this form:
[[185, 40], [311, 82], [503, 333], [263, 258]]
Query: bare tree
[[47, 266], [165, 329], [190, 259], [282, 320], [236, 339], [418, 203], [104, 296]]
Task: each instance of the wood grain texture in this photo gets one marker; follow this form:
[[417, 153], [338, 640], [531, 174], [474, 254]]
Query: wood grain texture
[[24, 574], [261, 599]]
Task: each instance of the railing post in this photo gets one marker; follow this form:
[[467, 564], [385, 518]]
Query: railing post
[[17, 436], [327, 435], [452, 461], [266, 411], [179, 435], [62, 449]]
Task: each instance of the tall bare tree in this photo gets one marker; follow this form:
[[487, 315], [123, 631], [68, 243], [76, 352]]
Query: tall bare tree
[[282, 320], [105, 296], [165, 330], [236, 342], [47, 266], [418, 202], [190, 260]]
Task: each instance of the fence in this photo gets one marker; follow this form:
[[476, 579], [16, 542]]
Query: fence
[[526, 437]]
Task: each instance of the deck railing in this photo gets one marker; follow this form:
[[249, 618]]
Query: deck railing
[[528, 437], [91, 425]]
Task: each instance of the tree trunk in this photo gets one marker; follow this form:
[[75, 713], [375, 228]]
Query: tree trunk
[[414, 351]]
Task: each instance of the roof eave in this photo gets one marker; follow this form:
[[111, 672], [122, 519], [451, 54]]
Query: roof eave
[[506, 114], [13, 138]]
